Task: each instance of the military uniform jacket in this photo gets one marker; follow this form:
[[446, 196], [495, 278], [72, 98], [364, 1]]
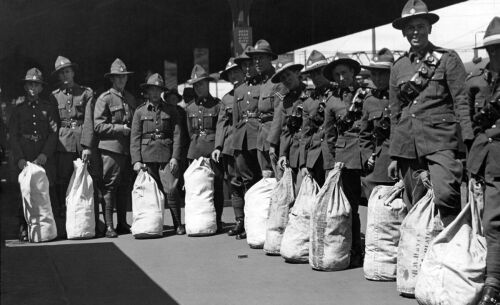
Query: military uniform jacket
[[224, 132], [71, 103], [202, 118], [290, 140], [33, 130], [156, 134], [485, 150], [375, 133], [315, 144], [429, 123], [344, 145], [113, 110], [253, 110], [88, 138]]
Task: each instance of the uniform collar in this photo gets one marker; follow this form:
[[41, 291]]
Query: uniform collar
[[264, 77], [204, 101], [116, 92], [380, 94], [152, 107], [421, 54]]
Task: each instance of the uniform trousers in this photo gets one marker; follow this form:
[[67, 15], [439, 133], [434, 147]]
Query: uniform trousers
[[491, 224], [318, 173], [247, 163], [445, 175], [95, 171], [167, 182], [351, 184], [117, 177], [235, 185]]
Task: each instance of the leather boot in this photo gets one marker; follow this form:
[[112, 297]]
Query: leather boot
[[110, 232], [238, 228], [122, 228], [180, 230], [490, 296], [23, 232], [242, 235]]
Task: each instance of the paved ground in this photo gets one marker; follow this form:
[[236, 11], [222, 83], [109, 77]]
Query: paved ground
[[171, 270]]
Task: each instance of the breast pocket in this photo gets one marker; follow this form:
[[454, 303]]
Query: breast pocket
[[209, 120], [437, 84], [194, 121], [267, 103], [147, 122], [375, 115], [117, 112], [166, 121]]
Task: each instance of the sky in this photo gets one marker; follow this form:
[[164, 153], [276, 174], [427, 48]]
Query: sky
[[458, 27]]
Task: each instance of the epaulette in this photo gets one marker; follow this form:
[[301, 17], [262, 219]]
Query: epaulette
[[475, 73], [56, 91], [144, 104], [405, 54]]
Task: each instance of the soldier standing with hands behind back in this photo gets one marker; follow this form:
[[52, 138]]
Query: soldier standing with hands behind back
[[112, 119], [155, 144], [33, 133]]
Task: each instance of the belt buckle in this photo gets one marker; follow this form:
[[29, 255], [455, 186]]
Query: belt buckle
[[203, 133], [73, 124], [35, 138], [154, 136]]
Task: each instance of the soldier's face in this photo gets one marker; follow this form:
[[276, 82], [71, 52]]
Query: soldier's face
[[66, 75], [290, 79], [494, 55], [380, 78], [262, 62], [248, 68], [119, 81], [235, 76], [33, 88], [417, 31], [318, 78], [201, 88], [154, 94], [343, 75]]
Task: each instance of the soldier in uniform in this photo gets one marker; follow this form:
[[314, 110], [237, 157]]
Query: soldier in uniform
[[246, 63], [252, 116], [33, 128], [202, 116], [223, 144], [342, 126], [155, 144], [71, 100], [318, 157], [112, 120], [375, 123], [289, 113], [427, 98], [483, 88]]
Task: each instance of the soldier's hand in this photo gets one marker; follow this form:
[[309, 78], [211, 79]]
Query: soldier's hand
[[138, 166], [126, 130], [216, 155], [86, 153], [392, 170], [174, 166], [305, 172], [370, 164], [41, 159], [272, 154], [21, 164], [282, 162]]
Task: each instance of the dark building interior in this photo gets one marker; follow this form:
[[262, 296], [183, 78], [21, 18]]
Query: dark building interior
[[143, 33]]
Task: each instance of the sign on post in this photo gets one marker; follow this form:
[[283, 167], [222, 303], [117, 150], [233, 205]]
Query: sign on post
[[242, 37]]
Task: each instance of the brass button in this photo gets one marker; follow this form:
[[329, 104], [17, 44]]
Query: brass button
[[413, 115], [414, 102], [490, 140], [34, 116], [34, 123], [34, 131], [494, 126]]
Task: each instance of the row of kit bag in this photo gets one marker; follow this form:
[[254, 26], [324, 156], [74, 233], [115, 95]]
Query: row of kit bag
[[432, 264], [313, 227]]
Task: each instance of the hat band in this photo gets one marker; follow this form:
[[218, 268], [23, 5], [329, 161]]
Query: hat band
[[491, 38], [414, 14], [381, 63], [317, 64]]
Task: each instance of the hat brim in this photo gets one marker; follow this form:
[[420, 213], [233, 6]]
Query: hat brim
[[327, 71], [314, 67], [489, 42], [257, 52], [239, 60], [376, 67], [117, 73], [276, 77], [196, 80], [33, 81], [400, 22], [224, 73], [71, 64], [146, 85]]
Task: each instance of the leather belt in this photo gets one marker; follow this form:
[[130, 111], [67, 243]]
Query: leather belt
[[266, 118], [155, 136], [204, 132], [71, 123], [32, 137], [250, 115]]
